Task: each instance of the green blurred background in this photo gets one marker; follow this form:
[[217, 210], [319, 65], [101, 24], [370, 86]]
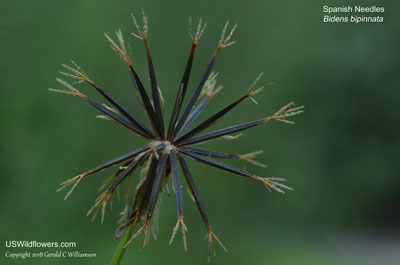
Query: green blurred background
[[341, 156]]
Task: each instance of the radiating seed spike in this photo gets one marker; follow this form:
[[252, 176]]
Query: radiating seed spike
[[197, 90], [154, 89], [236, 128], [193, 188], [181, 92], [177, 182], [210, 153], [123, 52], [156, 186], [98, 106], [217, 164], [142, 195], [112, 162], [143, 97], [179, 198]]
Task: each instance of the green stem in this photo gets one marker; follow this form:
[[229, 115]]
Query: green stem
[[120, 251]]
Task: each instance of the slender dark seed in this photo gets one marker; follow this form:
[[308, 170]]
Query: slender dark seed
[[155, 190], [132, 118], [217, 164], [182, 91], [222, 132], [144, 99], [113, 115], [177, 183], [196, 93], [210, 121], [142, 195], [155, 92], [120, 159], [211, 153], [194, 190]]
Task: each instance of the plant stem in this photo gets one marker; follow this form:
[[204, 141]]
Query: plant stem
[[119, 252]]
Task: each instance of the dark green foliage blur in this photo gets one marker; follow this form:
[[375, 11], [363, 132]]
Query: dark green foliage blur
[[341, 156]]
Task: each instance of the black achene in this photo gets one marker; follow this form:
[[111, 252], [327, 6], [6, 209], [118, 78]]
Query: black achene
[[170, 145]]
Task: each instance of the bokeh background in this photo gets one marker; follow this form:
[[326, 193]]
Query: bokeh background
[[341, 156]]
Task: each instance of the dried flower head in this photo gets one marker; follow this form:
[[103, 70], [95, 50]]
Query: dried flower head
[[169, 146]]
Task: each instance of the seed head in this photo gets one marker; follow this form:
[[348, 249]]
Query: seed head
[[169, 146]]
